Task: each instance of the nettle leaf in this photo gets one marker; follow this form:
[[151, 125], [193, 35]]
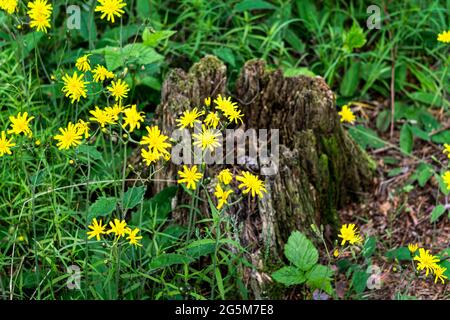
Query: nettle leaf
[[319, 277], [437, 212], [354, 38], [406, 139], [300, 251], [133, 197], [102, 207], [289, 276], [169, 259]]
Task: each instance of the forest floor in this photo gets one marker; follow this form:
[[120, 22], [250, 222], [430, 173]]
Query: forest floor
[[397, 216]]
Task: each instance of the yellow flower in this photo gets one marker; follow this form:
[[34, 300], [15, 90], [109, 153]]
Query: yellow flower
[[446, 178], [5, 145], [207, 139], [439, 274], [82, 63], [10, 6], [347, 115], [39, 12], [101, 116], [38, 142], [222, 196], [83, 128], [118, 89], [350, 233], [133, 238], [150, 156], [208, 101], [229, 109], [444, 36], [114, 111], [155, 140], [97, 229], [189, 118], [446, 150], [20, 124], [101, 74], [252, 184], [132, 118], [74, 87], [413, 247], [119, 228], [110, 9], [212, 120], [225, 176], [427, 261], [69, 137], [190, 177]]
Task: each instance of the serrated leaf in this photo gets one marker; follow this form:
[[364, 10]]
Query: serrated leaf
[[319, 277], [152, 39], [406, 139], [354, 38], [133, 197], [102, 207], [289, 276], [437, 212], [300, 251]]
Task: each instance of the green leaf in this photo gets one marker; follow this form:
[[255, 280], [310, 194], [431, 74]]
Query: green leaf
[[350, 81], [406, 139], [289, 276], [295, 72], [437, 212], [300, 251], [226, 54], [423, 173], [427, 98], [383, 120], [246, 5], [369, 247], [152, 39], [400, 254], [354, 38], [359, 281], [441, 137], [220, 283], [133, 197], [102, 207], [202, 247], [319, 277], [162, 202], [169, 259]]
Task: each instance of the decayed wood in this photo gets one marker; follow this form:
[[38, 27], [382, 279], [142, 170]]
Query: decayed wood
[[320, 167]]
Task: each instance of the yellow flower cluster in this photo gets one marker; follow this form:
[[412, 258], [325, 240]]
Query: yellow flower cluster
[[118, 228], [40, 13], [158, 146], [9, 6], [428, 262]]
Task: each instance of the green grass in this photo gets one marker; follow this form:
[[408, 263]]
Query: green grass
[[45, 200]]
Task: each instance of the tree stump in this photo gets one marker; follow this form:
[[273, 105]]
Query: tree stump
[[320, 167]]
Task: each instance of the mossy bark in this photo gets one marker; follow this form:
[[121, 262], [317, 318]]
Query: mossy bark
[[320, 167]]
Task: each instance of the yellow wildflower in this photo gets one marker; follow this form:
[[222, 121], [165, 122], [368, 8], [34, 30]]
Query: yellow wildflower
[[444, 36], [10, 6], [5, 144], [114, 111], [446, 178], [208, 101], [39, 12], [133, 238], [21, 124], [222, 196], [83, 128], [74, 87], [426, 261], [251, 183], [149, 156], [207, 139], [69, 137], [212, 120], [349, 233], [446, 150], [347, 115], [119, 228], [156, 140], [97, 229], [439, 274], [225, 176], [101, 116], [413, 247], [82, 63], [132, 118], [190, 176], [189, 118], [118, 89], [100, 73], [110, 9]]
